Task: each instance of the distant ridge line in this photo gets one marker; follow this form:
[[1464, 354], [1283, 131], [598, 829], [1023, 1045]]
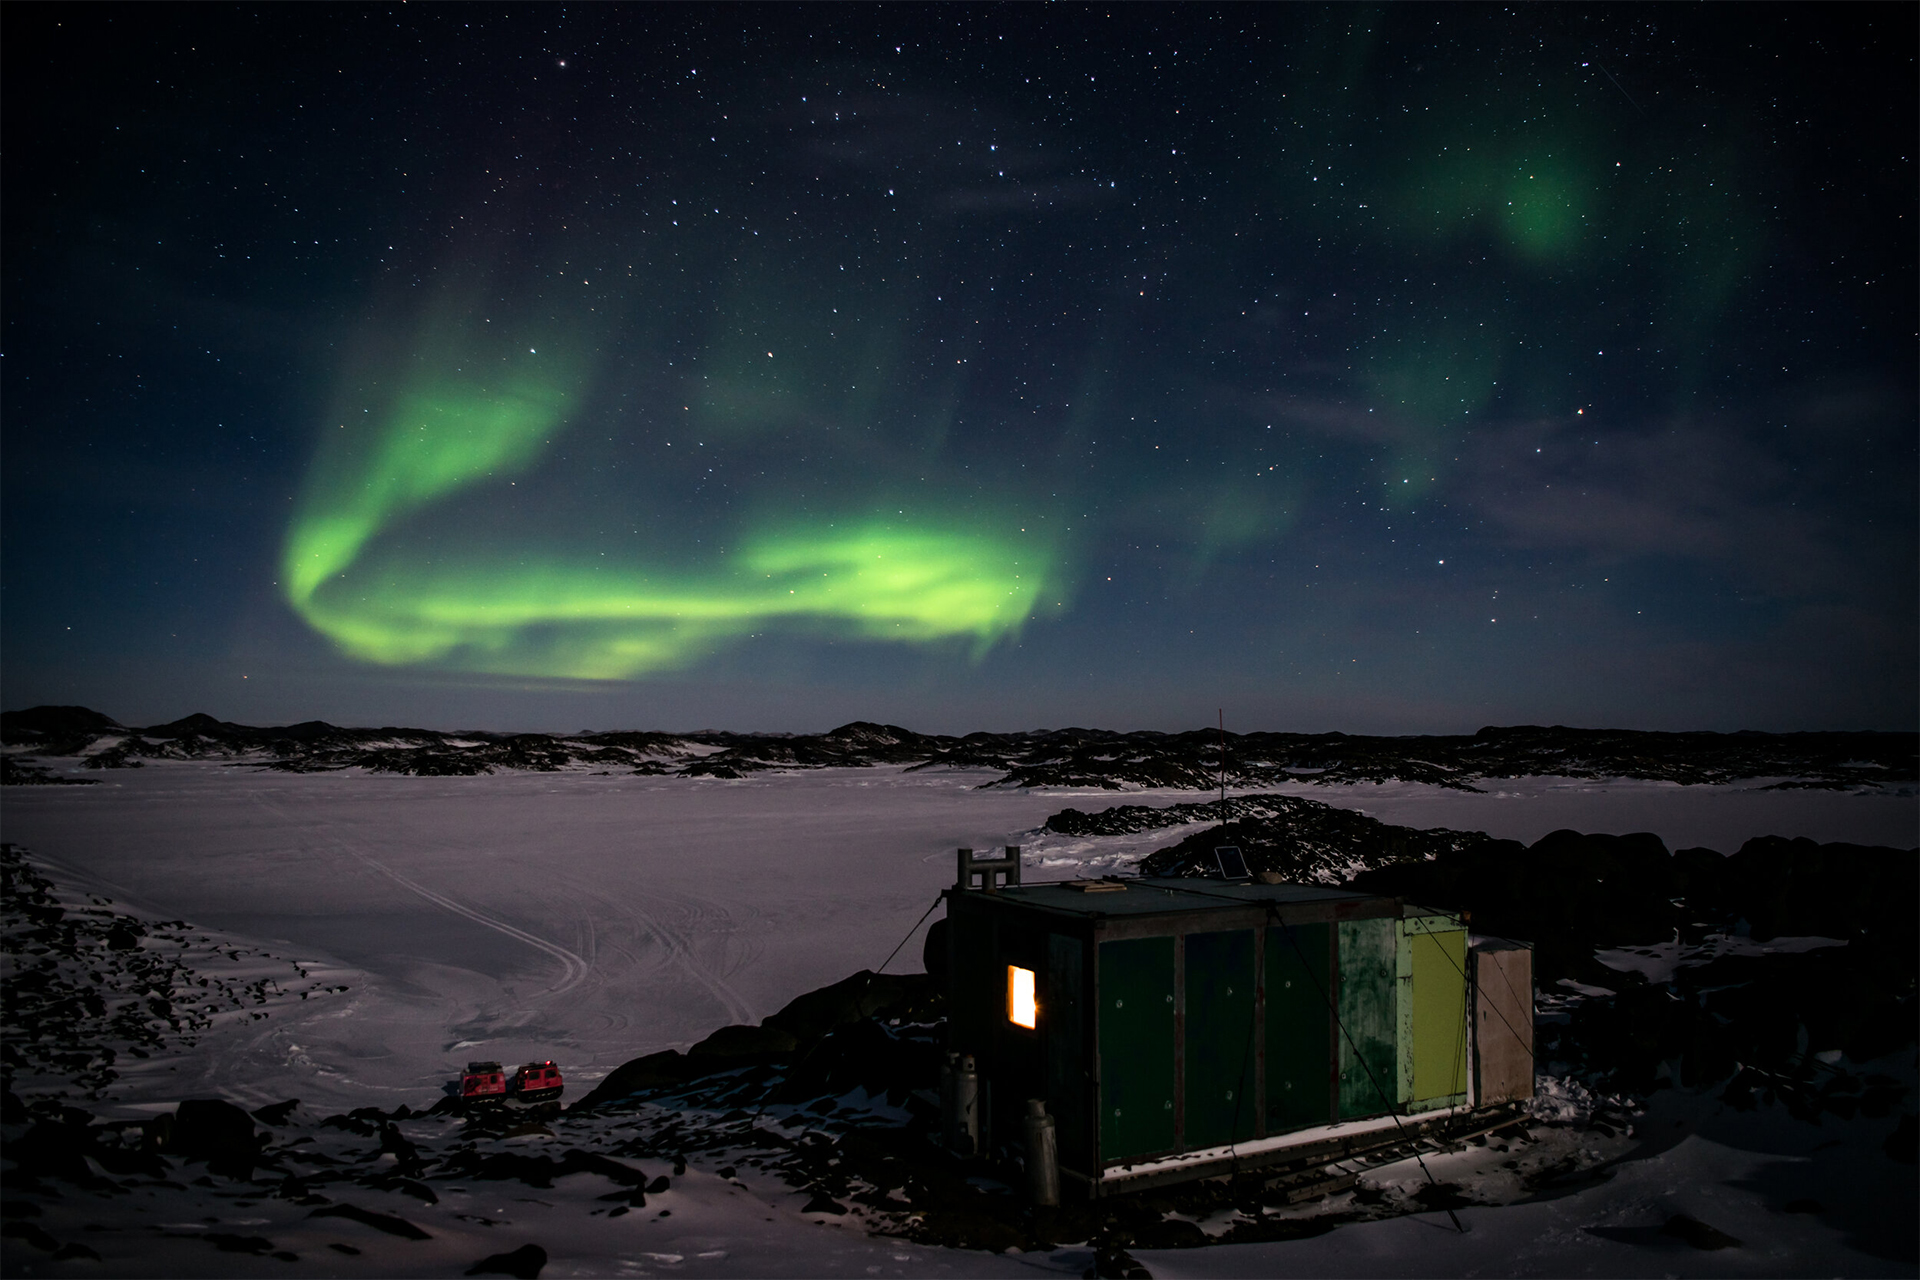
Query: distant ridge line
[[1068, 758]]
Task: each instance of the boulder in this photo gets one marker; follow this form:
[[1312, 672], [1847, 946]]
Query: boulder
[[655, 1071], [216, 1131], [816, 1014], [742, 1045], [523, 1263], [54, 1150]]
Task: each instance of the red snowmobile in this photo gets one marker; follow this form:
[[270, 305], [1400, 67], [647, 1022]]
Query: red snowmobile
[[536, 1082], [483, 1082]]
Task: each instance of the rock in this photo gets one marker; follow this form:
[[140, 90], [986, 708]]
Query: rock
[[865, 1054], [1697, 1233], [504, 1166], [53, 1150], [229, 1243], [1110, 1263], [378, 1221], [405, 1153], [157, 1133], [523, 1263], [216, 1131], [1901, 1143], [540, 1171], [740, 1045], [405, 1186], [823, 1203], [655, 1071], [32, 1234], [276, 1115], [816, 1014]]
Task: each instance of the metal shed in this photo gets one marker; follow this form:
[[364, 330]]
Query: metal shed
[[1173, 1026]]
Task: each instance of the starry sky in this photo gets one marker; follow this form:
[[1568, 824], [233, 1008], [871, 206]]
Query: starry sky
[[1399, 369]]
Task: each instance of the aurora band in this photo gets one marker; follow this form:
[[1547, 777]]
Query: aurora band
[[349, 575]]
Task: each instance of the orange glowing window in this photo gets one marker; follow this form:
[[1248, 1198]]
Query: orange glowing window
[[1022, 1011]]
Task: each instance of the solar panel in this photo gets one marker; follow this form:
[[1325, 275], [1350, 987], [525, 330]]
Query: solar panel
[[1232, 865]]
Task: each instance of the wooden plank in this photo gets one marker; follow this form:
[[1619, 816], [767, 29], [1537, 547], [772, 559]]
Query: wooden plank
[[1503, 1023], [1368, 1015]]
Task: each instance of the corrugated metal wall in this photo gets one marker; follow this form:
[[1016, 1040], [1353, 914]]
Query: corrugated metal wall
[[1220, 1058], [1299, 1027], [1063, 1015], [1360, 1018], [1137, 1036]]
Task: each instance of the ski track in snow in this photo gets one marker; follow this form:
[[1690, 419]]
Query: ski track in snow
[[574, 970], [677, 944]]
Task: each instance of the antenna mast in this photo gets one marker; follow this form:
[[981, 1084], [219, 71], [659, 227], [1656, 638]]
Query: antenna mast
[[1223, 766]]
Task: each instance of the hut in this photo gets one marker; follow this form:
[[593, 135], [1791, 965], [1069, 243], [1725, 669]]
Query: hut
[[1181, 1028]]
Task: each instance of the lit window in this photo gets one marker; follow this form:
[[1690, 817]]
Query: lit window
[[1021, 1009]]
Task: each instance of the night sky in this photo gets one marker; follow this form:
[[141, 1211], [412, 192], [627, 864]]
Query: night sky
[[1382, 370]]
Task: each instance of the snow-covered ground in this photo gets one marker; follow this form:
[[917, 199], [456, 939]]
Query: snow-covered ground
[[594, 918]]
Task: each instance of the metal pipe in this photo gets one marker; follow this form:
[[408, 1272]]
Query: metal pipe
[[1043, 1156], [949, 1075], [963, 1127]]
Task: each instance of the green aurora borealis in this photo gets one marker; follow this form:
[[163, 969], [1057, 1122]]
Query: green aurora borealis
[[500, 610], [1371, 368], [927, 418]]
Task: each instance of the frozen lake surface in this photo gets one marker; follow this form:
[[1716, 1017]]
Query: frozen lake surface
[[596, 918]]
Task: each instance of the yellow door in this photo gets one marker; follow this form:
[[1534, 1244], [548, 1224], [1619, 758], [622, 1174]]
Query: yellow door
[[1439, 1015]]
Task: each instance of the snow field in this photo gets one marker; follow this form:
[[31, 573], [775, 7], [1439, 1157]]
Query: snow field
[[597, 918]]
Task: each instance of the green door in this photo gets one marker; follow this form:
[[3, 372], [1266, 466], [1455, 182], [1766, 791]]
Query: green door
[[1136, 1047], [1299, 1047], [1369, 1018], [1220, 1061]]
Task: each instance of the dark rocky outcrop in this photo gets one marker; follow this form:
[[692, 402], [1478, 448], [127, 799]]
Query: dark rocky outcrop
[[523, 1263], [54, 724], [805, 1028], [1196, 760], [25, 771], [738, 1046], [216, 1131], [387, 1222], [1300, 840]]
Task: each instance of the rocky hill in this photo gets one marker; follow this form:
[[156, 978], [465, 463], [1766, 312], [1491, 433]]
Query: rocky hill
[[1197, 760]]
